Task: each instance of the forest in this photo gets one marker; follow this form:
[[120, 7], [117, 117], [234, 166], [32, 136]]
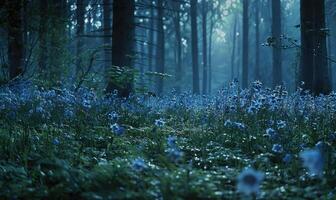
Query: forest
[[167, 99]]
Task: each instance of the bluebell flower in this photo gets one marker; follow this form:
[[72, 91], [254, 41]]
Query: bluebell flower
[[171, 141], [228, 123], [113, 116], [270, 132], [160, 122], [287, 158], [175, 154], [313, 161], [139, 164], [56, 142], [281, 124], [117, 129], [277, 148], [68, 113], [249, 181]]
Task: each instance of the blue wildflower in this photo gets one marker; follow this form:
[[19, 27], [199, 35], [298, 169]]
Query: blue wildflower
[[249, 181], [171, 141], [287, 158], [139, 164], [281, 124], [160, 122], [313, 161], [277, 148], [175, 154], [113, 116], [56, 142], [117, 129], [270, 132]]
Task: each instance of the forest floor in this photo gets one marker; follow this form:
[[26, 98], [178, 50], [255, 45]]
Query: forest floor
[[255, 143]]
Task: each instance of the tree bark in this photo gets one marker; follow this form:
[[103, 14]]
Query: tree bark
[[160, 50], [204, 43], [210, 54], [276, 34], [194, 46], [43, 26], [177, 21], [122, 47], [257, 41], [245, 43], [79, 32], [233, 52], [314, 59], [15, 38], [107, 20]]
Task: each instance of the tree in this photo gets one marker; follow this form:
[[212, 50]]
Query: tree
[[107, 31], [204, 43], [276, 37], [257, 41], [245, 43], [194, 46], [122, 47], [42, 32], [178, 36], [15, 38], [314, 59], [79, 33], [233, 52], [160, 50]]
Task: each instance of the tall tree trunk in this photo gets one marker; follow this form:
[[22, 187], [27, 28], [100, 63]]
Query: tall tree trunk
[[257, 41], [122, 47], [210, 54], [57, 40], [43, 27], [194, 46], [233, 52], [204, 43], [25, 32], [151, 37], [160, 51], [314, 63], [276, 34], [107, 31], [239, 45], [15, 38], [79, 33], [245, 43], [177, 21]]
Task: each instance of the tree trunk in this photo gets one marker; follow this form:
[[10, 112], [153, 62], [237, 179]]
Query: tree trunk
[[79, 33], [107, 31], [25, 32], [257, 41], [314, 63], [177, 20], [204, 43], [245, 43], [151, 37], [276, 34], [160, 51], [122, 47], [43, 27], [194, 46], [233, 52], [210, 55], [15, 38]]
